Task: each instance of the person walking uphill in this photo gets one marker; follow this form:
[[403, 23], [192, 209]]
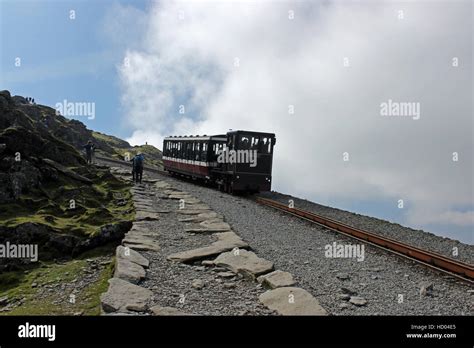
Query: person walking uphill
[[137, 170], [89, 147]]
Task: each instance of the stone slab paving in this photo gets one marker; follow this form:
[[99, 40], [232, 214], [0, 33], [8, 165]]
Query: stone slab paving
[[224, 259], [244, 262], [124, 296], [129, 271], [292, 301], [276, 279], [225, 241], [131, 255]]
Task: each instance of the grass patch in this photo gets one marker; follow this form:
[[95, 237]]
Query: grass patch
[[38, 301]]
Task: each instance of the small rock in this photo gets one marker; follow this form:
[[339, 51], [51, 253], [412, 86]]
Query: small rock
[[207, 263], [34, 285], [344, 305], [342, 276], [226, 274], [219, 269], [197, 284], [358, 301], [229, 285], [348, 291], [426, 289], [344, 297], [79, 313], [374, 277], [200, 268], [3, 301], [159, 310]]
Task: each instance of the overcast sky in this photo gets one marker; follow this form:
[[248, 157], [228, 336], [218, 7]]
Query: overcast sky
[[243, 65], [314, 72]]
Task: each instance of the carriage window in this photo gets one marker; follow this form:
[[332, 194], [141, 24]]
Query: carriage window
[[204, 152], [254, 143], [198, 152], [266, 146], [244, 142]]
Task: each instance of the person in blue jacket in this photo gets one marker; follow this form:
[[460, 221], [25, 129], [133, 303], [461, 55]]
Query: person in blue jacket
[[137, 167]]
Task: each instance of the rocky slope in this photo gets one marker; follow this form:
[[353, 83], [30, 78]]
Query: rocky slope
[[49, 196], [76, 133]]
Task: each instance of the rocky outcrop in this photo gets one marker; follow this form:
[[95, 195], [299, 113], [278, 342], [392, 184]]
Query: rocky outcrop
[[53, 243], [48, 194]]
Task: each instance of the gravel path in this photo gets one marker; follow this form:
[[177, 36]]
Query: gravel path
[[385, 283], [389, 284], [172, 283]]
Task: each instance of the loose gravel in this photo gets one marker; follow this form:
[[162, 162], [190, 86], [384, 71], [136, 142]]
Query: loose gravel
[[381, 284], [390, 285], [417, 238], [194, 288]]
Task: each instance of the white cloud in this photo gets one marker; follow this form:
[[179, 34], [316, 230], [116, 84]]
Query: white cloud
[[190, 61]]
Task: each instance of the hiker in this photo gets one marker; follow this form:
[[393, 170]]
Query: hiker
[[137, 169], [89, 147]]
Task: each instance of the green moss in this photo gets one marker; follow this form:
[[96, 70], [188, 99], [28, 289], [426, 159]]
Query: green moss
[[95, 205], [18, 285]]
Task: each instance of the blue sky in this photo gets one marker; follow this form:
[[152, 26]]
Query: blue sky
[[63, 58], [283, 62]]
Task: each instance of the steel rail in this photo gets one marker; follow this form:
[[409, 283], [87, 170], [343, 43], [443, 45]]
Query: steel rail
[[431, 259], [129, 164], [438, 262]]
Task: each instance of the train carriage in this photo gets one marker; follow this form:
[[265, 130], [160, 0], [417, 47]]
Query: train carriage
[[236, 161]]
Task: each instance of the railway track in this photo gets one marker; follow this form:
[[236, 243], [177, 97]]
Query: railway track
[[129, 164], [435, 261], [440, 263]]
